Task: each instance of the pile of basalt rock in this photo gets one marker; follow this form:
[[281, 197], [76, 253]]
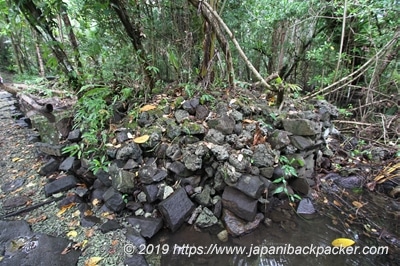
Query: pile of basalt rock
[[213, 169]]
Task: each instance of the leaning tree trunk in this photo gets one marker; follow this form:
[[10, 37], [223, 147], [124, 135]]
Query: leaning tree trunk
[[135, 35], [223, 42], [216, 21], [44, 25]]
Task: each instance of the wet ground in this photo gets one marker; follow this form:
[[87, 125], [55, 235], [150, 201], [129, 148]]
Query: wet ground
[[373, 225]]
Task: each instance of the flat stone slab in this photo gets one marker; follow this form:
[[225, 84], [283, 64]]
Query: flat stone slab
[[62, 184], [20, 246]]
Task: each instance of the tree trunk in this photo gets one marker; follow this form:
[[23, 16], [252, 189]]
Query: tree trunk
[[135, 35], [39, 57], [213, 22], [44, 25], [71, 35]]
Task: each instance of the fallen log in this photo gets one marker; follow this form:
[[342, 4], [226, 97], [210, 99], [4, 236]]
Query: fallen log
[[31, 107]]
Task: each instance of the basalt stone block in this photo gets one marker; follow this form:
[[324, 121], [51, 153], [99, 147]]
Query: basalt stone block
[[148, 226], [151, 192], [89, 221], [74, 135], [113, 200], [49, 149], [62, 184], [67, 164], [50, 167], [136, 259], [110, 225], [240, 204], [104, 177], [302, 127], [176, 208], [238, 227], [250, 185], [225, 124], [40, 249]]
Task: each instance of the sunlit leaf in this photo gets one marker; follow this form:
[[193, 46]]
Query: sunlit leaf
[[147, 107], [93, 261], [343, 242], [16, 159], [141, 139], [72, 234]]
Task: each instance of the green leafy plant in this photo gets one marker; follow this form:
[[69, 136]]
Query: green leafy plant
[[73, 150], [288, 171], [99, 163], [283, 188], [206, 98]]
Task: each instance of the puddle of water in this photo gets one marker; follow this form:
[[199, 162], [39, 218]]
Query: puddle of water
[[318, 233]]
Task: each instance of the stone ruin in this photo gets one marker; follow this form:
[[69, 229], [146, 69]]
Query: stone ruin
[[213, 169]]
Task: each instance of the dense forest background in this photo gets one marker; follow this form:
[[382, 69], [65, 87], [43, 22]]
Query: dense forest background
[[345, 51]]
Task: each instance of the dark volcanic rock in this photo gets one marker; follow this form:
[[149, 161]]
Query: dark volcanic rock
[[134, 236], [39, 249], [13, 185], [306, 207], [74, 135], [302, 127], [238, 227], [148, 226], [89, 221], [62, 184], [16, 201], [250, 185], [240, 204], [110, 225], [50, 167], [176, 208], [135, 260], [113, 200], [350, 182], [151, 192], [225, 124], [67, 164]]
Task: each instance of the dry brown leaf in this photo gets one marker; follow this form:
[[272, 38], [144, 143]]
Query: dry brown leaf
[[89, 232], [147, 107], [249, 121], [357, 204], [141, 139], [337, 203], [37, 219], [65, 208]]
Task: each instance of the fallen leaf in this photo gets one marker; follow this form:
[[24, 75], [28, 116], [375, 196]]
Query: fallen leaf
[[337, 203], [147, 107], [357, 204], [343, 242], [89, 232], [37, 219], [16, 159], [72, 234], [65, 208], [249, 121], [93, 261], [96, 202], [141, 139]]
